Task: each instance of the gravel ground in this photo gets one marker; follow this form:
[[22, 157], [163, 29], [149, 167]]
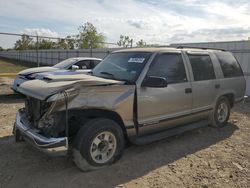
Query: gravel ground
[[206, 157]]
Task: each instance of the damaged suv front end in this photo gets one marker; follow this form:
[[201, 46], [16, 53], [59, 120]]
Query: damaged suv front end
[[44, 120], [41, 125], [50, 145]]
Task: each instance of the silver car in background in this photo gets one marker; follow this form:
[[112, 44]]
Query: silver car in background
[[67, 66]]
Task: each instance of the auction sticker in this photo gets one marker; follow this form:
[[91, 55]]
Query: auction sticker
[[136, 60]]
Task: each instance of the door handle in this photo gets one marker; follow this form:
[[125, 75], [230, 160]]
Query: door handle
[[188, 90], [217, 86]]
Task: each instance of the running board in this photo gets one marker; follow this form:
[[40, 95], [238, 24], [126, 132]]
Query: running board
[[147, 139]]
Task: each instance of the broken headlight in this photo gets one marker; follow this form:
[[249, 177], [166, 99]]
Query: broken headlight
[[31, 76]]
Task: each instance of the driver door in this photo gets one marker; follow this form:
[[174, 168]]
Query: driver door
[[161, 108]]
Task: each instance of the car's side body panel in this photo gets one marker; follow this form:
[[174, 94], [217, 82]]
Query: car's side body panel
[[158, 104], [117, 98]]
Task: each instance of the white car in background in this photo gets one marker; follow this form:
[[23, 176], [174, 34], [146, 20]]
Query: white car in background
[[76, 65]]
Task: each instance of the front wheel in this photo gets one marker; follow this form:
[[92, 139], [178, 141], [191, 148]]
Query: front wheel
[[98, 143], [221, 113]]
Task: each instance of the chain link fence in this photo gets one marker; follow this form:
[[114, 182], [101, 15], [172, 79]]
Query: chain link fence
[[52, 56]]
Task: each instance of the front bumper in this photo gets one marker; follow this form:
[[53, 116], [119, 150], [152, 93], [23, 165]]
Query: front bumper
[[51, 146]]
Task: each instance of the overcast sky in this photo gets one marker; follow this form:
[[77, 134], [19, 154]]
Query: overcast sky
[[155, 21]]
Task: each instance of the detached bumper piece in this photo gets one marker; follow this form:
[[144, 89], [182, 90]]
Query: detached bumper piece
[[51, 146]]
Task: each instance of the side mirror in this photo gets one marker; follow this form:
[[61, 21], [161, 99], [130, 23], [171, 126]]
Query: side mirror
[[154, 81], [74, 67]]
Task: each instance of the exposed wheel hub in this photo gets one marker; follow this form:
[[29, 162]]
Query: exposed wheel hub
[[103, 147], [222, 112]]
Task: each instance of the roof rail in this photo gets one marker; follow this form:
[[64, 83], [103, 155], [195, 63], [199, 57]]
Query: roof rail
[[202, 48], [162, 46]]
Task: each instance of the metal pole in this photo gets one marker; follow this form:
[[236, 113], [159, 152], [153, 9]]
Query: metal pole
[[37, 47], [91, 52]]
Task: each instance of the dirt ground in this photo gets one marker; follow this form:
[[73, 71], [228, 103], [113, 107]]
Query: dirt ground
[[207, 157]]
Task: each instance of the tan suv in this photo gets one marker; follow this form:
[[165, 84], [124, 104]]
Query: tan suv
[[134, 95]]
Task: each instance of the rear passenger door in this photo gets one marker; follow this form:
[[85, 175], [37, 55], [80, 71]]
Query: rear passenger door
[[203, 81]]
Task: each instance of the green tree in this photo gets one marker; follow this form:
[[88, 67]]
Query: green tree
[[25, 43], [62, 44], [67, 43], [141, 43], [125, 41], [71, 42], [46, 44], [89, 37], [1, 49]]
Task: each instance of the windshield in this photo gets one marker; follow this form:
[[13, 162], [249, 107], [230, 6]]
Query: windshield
[[124, 66], [65, 64]]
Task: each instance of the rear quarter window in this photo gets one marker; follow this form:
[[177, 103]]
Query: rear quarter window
[[229, 65], [202, 67]]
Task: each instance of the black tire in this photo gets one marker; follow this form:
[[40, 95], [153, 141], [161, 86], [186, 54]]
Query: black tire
[[84, 141], [215, 119]]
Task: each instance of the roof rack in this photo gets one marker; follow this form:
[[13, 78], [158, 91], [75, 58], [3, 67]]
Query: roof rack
[[202, 48], [163, 46]]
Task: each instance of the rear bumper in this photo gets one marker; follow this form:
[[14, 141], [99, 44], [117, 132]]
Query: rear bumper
[[51, 146]]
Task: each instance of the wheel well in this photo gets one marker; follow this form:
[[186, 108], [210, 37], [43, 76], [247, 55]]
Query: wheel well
[[230, 97], [77, 118]]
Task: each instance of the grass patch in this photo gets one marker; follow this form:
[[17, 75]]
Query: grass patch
[[14, 66], [8, 75]]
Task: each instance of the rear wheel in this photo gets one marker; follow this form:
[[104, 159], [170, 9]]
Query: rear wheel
[[221, 114], [99, 143]]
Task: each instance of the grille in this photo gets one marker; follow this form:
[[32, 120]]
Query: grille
[[35, 109]]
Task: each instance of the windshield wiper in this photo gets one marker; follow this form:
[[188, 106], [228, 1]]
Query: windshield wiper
[[110, 74], [107, 73], [126, 81]]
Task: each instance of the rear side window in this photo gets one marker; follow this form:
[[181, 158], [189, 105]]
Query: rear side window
[[202, 67], [229, 65], [169, 66], [84, 64]]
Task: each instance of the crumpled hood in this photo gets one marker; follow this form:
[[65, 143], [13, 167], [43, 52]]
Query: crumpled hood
[[42, 75], [41, 89], [37, 70]]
